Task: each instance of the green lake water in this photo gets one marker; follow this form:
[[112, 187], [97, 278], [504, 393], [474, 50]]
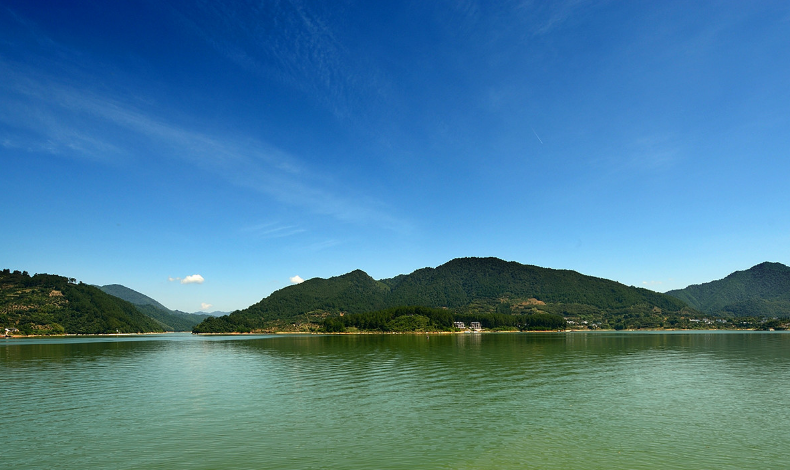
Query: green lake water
[[473, 401]]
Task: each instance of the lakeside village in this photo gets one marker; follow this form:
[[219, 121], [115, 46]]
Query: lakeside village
[[474, 327], [584, 324], [759, 324]]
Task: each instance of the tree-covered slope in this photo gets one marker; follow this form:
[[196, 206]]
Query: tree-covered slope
[[465, 285], [463, 281], [170, 320], [762, 290], [131, 295], [49, 304], [355, 292]]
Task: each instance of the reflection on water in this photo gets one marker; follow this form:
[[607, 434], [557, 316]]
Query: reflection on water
[[538, 400]]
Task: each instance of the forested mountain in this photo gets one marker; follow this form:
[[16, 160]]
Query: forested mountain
[[47, 304], [170, 320], [461, 282], [466, 286], [131, 295], [762, 290]]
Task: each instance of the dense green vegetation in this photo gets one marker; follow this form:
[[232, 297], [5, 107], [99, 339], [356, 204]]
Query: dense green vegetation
[[46, 304], [761, 291], [170, 320], [308, 302], [460, 282], [467, 286], [131, 295], [402, 319], [498, 294]]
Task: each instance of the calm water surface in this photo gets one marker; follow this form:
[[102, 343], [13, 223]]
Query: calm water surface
[[578, 400]]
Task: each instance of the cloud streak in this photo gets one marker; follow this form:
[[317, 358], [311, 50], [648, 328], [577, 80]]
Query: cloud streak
[[536, 135], [288, 42], [273, 230], [49, 115], [549, 16]]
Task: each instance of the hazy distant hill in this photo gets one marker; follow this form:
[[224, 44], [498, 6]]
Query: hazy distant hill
[[171, 320], [215, 313], [763, 290], [48, 304], [131, 295], [465, 285]]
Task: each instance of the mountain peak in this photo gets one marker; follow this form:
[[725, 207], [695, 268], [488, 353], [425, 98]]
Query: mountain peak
[[769, 266], [465, 285], [762, 290]]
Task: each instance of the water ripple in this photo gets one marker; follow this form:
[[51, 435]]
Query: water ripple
[[607, 400]]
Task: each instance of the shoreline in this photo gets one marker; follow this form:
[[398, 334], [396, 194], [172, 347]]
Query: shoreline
[[65, 335], [472, 333], [433, 333]]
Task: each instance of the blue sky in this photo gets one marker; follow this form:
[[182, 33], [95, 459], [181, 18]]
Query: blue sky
[[252, 142]]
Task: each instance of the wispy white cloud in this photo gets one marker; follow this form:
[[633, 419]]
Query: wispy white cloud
[[205, 306], [193, 279], [296, 280], [648, 154], [50, 115], [273, 230], [289, 42], [45, 106], [546, 17], [31, 118], [651, 153]]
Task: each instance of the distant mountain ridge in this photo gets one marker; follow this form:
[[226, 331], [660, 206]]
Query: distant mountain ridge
[[171, 320], [762, 290], [215, 313], [466, 285], [131, 295], [51, 304]]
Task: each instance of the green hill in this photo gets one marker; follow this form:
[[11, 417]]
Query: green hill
[[464, 282], [170, 320], [131, 295], [466, 286], [762, 290], [46, 304]]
